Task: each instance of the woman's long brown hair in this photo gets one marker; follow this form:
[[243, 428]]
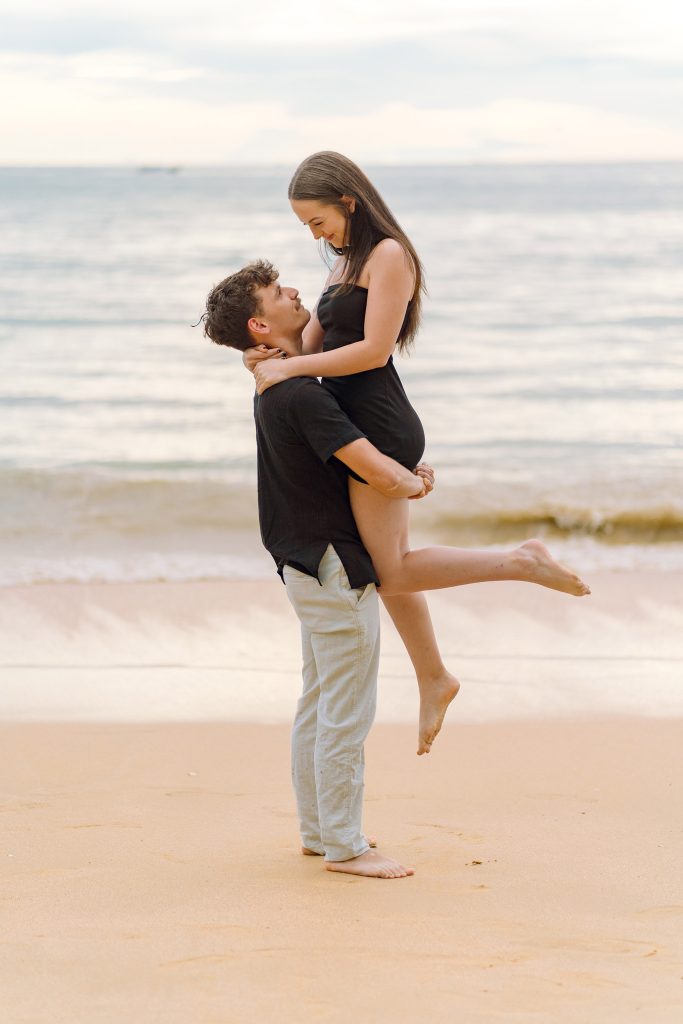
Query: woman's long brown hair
[[327, 176]]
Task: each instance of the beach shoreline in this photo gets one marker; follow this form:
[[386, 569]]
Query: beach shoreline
[[229, 650], [152, 871]]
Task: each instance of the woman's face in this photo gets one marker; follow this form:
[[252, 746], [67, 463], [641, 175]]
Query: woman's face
[[325, 221]]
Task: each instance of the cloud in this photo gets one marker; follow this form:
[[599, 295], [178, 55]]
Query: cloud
[[137, 67], [115, 116], [505, 130], [107, 126], [158, 81], [219, 24]]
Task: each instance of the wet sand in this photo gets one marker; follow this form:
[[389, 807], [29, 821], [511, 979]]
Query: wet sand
[[230, 650]]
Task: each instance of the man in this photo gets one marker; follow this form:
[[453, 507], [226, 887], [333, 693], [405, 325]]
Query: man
[[304, 443]]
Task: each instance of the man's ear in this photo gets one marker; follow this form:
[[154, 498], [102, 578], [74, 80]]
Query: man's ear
[[350, 203], [257, 326]]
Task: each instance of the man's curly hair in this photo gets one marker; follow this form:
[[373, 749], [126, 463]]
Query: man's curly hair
[[230, 304]]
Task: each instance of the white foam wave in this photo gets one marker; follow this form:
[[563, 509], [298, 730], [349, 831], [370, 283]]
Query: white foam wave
[[585, 555], [134, 568]]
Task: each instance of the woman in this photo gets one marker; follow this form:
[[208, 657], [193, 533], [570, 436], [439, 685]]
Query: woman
[[370, 305]]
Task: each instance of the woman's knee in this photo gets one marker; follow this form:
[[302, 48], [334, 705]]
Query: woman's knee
[[391, 572]]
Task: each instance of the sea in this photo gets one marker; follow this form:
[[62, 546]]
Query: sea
[[548, 371]]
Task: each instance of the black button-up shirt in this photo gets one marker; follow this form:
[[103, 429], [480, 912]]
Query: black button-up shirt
[[302, 489]]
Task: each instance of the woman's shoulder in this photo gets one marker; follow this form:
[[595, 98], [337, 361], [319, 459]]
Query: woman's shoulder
[[388, 249], [389, 257]]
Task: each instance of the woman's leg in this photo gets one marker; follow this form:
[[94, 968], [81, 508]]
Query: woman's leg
[[383, 526], [410, 615]]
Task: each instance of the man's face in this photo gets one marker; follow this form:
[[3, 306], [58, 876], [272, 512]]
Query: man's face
[[282, 311]]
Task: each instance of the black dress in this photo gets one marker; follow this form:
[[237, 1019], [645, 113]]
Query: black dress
[[374, 400]]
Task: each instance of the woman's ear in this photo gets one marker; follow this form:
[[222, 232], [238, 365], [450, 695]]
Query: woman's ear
[[350, 203]]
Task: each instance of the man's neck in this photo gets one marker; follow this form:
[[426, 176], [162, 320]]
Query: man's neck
[[292, 346]]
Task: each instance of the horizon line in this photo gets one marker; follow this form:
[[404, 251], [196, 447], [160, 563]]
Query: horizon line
[[177, 166]]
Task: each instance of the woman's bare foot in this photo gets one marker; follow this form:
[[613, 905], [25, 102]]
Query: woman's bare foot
[[372, 865], [538, 566], [372, 841], [434, 701]]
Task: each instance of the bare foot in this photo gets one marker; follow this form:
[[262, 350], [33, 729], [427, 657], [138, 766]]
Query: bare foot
[[371, 864], [434, 701], [372, 841], [538, 566]]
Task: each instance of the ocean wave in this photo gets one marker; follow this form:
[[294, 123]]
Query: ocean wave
[[647, 521], [68, 502], [166, 500], [182, 524]]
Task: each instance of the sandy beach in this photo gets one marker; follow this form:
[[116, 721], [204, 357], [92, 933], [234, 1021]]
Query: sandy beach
[[150, 855], [152, 873]]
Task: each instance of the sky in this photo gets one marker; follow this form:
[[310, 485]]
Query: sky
[[119, 82]]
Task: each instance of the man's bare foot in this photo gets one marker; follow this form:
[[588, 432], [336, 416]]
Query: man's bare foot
[[372, 841], [538, 566], [371, 864], [434, 701]]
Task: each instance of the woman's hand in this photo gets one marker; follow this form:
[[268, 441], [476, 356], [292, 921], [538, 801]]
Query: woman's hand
[[251, 357], [424, 470], [267, 373], [427, 476]]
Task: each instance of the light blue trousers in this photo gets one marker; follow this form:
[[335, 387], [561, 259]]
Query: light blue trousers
[[340, 644]]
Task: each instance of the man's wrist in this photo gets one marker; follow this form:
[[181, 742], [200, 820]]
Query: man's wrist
[[407, 485]]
